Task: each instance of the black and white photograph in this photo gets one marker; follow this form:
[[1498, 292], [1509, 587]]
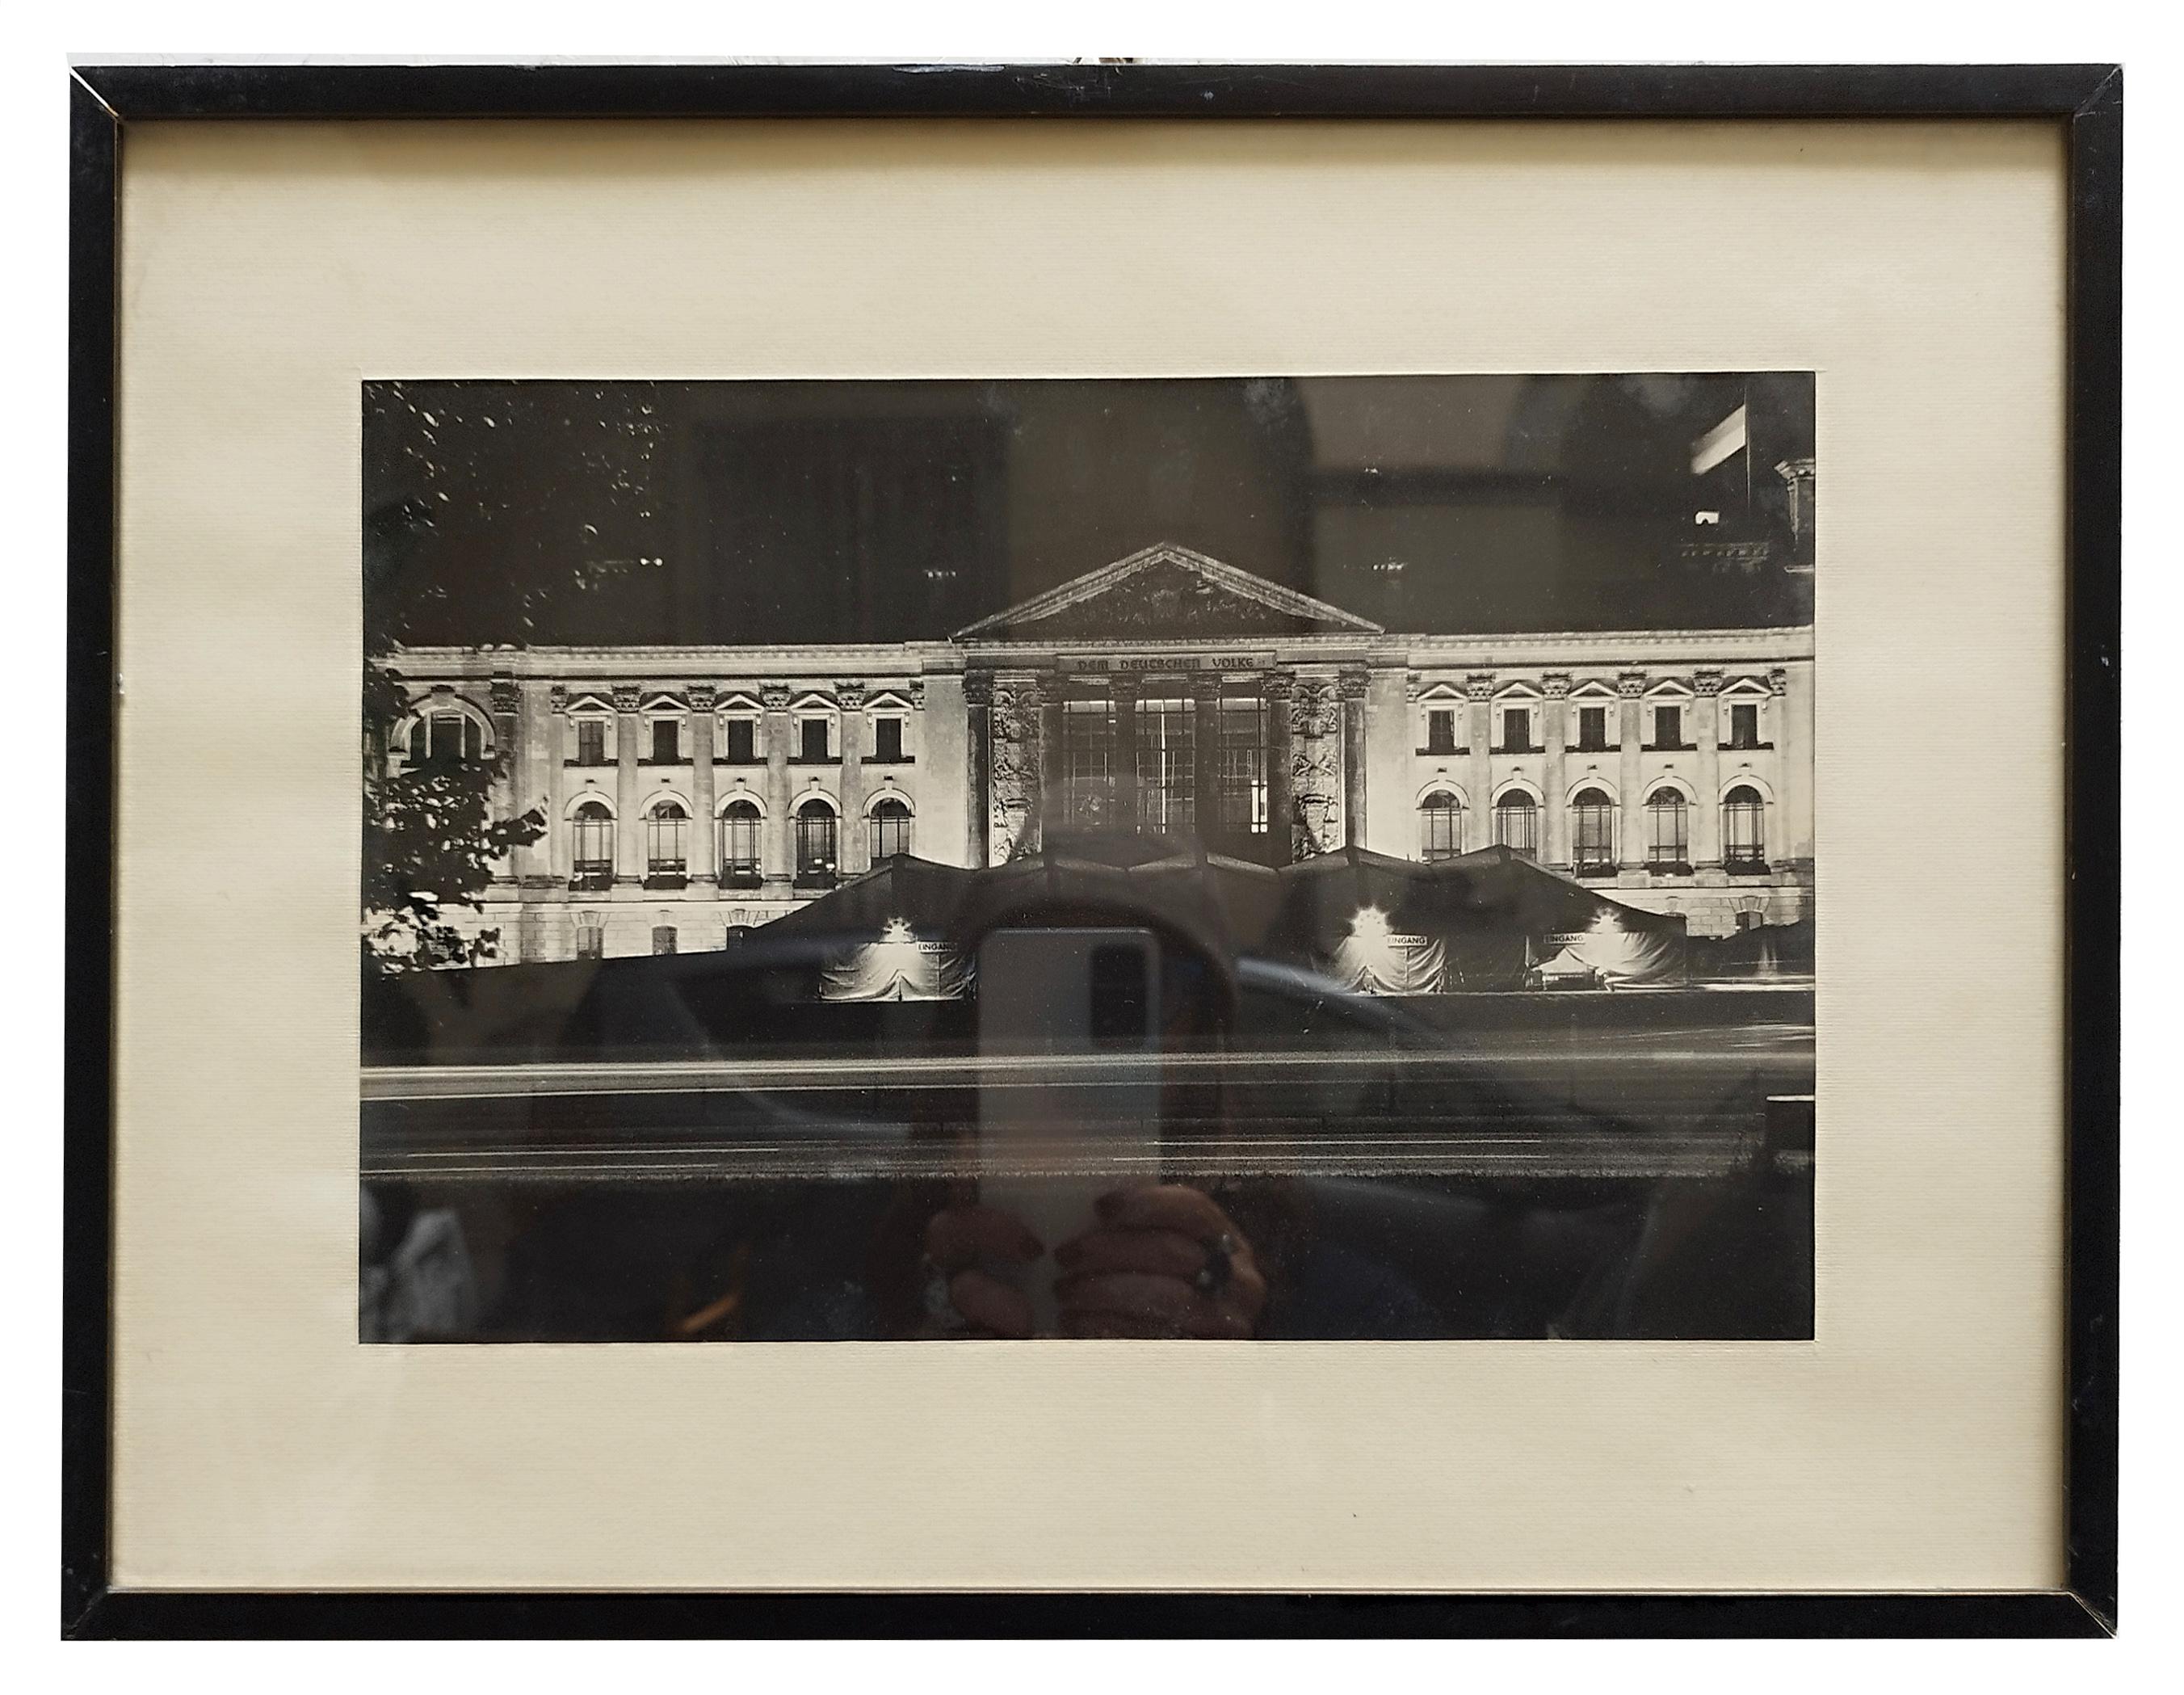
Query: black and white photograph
[[1277, 857]]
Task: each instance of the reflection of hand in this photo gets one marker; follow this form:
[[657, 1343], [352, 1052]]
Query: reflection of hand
[[962, 1239], [1163, 1261]]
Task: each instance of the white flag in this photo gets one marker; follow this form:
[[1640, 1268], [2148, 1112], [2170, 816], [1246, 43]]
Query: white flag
[[1718, 443]]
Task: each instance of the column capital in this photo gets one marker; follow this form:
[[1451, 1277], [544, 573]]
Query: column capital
[[1706, 683], [507, 698], [1555, 685], [1630, 685], [773, 696], [627, 696], [1206, 686], [1778, 681], [1480, 686], [1352, 685], [1279, 686], [557, 698], [850, 696], [704, 697], [979, 687], [916, 693]]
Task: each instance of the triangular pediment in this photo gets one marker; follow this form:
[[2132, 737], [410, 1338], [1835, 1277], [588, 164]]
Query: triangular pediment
[[1167, 592]]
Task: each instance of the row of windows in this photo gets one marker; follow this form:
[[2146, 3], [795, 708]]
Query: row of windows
[[1592, 828], [1740, 728], [815, 742], [667, 840]]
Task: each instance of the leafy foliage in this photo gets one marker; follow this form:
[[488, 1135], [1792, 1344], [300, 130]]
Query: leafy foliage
[[430, 838]]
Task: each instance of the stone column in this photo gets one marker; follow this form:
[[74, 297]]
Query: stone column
[[508, 751], [704, 853], [1206, 757], [537, 776], [1630, 685], [1798, 474], [1053, 801], [1352, 690], [629, 829], [1793, 707], [855, 850], [560, 859], [1555, 727], [1478, 692], [1013, 776], [1122, 752], [777, 853], [1278, 689], [1706, 826], [1390, 824], [978, 701]]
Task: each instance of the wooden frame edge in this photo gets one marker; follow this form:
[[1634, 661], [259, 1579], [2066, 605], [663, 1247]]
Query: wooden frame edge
[[2087, 99]]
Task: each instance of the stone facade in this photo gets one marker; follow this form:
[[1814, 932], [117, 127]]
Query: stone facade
[[689, 791]]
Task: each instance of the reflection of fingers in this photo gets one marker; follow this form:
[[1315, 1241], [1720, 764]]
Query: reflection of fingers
[[1169, 1302], [964, 1235], [1164, 1252], [1166, 1207], [991, 1304]]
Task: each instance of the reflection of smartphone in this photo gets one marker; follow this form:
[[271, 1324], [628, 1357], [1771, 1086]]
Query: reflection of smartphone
[[1069, 1097]]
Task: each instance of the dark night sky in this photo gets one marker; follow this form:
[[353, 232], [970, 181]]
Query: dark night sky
[[749, 512]]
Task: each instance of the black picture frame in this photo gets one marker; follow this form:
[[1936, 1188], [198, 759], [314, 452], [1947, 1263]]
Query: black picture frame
[[2086, 99]]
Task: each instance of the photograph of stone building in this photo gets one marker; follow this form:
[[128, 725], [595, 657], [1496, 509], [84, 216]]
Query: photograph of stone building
[[1326, 857]]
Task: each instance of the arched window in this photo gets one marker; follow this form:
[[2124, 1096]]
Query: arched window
[[1517, 823], [1592, 830], [1667, 831], [739, 828], [592, 845], [1441, 826], [1743, 838], [665, 835], [815, 843], [890, 823]]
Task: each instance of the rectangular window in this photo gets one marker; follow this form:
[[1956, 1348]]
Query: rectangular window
[[814, 844], [663, 939], [1592, 834], [1088, 752], [1592, 729], [886, 740], [592, 843], [1168, 765], [1669, 832], [667, 742], [591, 741], [890, 828], [1243, 768], [1441, 828], [742, 743], [739, 826], [1669, 727], [812, 740], [591, 941], [663, 837], [1517, 730], [1440, 730], [1517, 826], [1744, 724], [447, 737]]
